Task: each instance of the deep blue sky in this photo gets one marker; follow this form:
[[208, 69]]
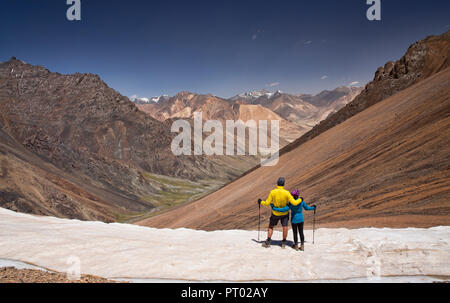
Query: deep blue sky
[[225, 47]]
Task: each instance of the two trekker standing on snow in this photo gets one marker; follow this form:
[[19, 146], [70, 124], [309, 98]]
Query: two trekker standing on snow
[[281, 202]]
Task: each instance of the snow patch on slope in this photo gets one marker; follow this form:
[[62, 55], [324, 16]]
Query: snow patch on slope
[[136, 252]]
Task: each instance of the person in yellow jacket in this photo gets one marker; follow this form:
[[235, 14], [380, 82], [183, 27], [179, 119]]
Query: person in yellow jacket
[[279, 197]]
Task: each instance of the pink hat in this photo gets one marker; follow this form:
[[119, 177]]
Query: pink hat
[[295, 193]]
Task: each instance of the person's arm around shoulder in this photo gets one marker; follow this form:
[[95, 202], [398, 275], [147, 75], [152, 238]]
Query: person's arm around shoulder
[[281, 210], [292, 201]]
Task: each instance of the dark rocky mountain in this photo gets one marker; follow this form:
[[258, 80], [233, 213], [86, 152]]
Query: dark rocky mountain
[[69, 119], [89, 131]]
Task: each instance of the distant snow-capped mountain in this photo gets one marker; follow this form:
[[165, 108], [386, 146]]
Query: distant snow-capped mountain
[[160, 98], [255, 95], [143, 100]]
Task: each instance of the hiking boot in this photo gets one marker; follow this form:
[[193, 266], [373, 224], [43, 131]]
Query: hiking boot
[[295, 246], [283, 244], [266, 243], [302, 247]]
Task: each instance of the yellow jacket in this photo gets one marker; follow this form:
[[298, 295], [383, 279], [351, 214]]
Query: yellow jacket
[[280, 197]]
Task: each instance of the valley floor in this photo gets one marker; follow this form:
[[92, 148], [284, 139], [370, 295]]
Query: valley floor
[[136, 253]]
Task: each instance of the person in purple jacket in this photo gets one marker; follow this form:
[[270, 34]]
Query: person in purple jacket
[[296, 218]]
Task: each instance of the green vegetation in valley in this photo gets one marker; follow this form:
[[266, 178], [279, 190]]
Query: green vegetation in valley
[[170, 193]]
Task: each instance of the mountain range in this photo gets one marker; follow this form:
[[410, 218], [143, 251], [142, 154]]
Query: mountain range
[[297, 113], [73, 147]]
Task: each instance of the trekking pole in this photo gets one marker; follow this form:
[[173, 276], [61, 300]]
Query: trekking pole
[[259, 220], [314, 224]]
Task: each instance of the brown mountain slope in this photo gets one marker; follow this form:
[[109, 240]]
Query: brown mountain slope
[[423, 59], [30, 185], [388, 165], [289, 131]]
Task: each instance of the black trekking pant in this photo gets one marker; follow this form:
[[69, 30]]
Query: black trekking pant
[[298, 227]]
